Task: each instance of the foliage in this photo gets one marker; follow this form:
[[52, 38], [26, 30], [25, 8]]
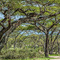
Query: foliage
[[20, 53], [32, 15]]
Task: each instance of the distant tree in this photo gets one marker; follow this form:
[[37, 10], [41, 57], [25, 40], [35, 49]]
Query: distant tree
[[53, 39]]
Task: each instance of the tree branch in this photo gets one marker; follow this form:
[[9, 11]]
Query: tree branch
[[2, 25], [56, 37]]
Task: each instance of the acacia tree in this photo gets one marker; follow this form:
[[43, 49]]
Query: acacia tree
[[44, 27], [49, 21], [53, 38], [42, 12], [9, 9]]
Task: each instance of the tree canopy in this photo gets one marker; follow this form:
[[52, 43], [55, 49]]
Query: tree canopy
[[43, 15]]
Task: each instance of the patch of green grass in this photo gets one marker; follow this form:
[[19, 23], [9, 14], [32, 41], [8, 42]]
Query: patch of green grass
[[54, 55]]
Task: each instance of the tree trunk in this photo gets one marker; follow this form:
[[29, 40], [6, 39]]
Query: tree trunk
[[51, 50], [14, 44], [46, 46], [58, 48]]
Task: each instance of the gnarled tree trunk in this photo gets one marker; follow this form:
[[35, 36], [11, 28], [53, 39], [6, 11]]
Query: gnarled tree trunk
[[46, 45]]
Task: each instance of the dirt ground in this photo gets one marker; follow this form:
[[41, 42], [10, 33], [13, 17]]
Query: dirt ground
[[57, 57], [54, 59]]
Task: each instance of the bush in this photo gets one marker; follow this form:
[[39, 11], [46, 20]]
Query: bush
[[20, 53]]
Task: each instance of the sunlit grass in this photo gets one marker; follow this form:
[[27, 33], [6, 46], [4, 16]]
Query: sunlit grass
[[54, 55]]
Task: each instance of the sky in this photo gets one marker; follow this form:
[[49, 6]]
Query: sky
[[1, 16]]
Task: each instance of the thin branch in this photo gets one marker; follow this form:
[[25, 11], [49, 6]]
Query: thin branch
[[2, 25], [52, 34], [40, 29], [56, 37], [5, 15], [53, 31], [42, 26]]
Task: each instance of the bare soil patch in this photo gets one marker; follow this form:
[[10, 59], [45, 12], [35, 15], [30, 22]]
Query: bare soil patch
[[57, 57]]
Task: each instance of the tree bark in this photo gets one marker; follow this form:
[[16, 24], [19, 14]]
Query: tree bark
[[46, 45], [58, 48]]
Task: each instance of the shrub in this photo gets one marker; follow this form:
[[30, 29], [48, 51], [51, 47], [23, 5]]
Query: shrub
[[20, 53]]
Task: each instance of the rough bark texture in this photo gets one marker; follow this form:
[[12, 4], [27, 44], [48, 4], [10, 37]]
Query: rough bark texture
[[46, 45]]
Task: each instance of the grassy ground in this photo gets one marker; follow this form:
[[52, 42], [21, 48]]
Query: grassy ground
[[55, 55], [35, 58], [30, 59]]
